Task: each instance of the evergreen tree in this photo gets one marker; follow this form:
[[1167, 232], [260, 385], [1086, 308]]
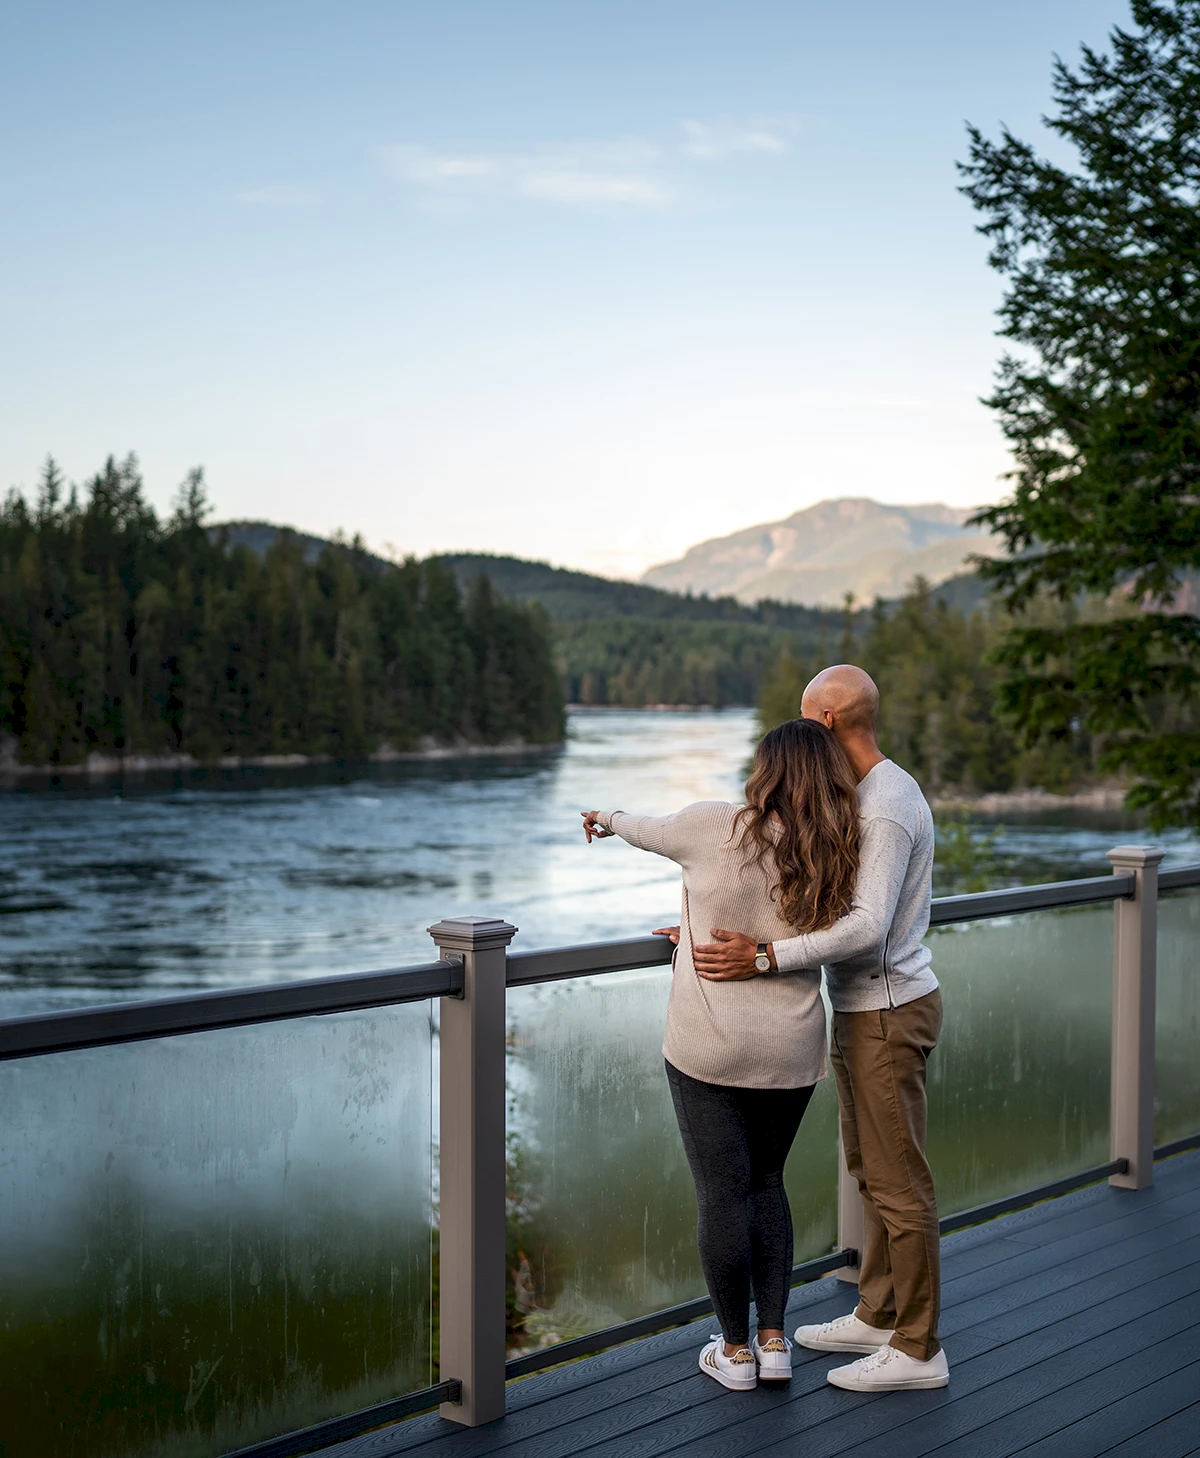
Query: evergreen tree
[[1100, 402], [123, 634], [937, 685]]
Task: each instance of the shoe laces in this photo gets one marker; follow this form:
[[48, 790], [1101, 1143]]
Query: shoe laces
[[880, 1357]]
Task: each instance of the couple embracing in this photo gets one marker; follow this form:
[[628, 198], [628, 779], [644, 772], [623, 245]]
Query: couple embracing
[[829, 863]]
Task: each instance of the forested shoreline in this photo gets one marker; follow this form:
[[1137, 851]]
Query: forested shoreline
[[126, 636], [121, 634], [941, 714]]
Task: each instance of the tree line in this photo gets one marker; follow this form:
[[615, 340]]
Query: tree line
[[941, 714], [634, 662], [121, 633]]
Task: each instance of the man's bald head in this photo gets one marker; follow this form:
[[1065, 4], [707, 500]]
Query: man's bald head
[[847, 695]]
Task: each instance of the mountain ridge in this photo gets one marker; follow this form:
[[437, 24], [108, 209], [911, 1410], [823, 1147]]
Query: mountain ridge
[[839, 545]]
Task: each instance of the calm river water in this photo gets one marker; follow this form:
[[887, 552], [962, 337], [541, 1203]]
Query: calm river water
[[226, 877]]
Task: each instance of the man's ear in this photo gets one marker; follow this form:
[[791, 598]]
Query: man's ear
[[827, 718]]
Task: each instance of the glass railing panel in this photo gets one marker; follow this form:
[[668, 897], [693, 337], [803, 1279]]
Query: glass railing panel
[[1177, 1081], [1019, 1085], [602, 1213], [216, 1238]]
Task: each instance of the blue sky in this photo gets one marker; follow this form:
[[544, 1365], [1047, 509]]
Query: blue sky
[[581, 281]]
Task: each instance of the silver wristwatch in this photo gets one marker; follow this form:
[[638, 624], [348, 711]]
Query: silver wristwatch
[[762, 963]]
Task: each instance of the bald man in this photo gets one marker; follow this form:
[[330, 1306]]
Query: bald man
[[887, 1014]]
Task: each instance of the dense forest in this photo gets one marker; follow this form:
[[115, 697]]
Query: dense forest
[[939, 710], [123, 633], [621, 644], [626, 645]]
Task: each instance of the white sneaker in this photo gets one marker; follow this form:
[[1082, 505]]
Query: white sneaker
[[774, 1358], [739, 1372], [846, 1334], [891, 1370]]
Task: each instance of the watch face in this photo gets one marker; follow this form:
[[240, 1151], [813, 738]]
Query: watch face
[[763, 963]]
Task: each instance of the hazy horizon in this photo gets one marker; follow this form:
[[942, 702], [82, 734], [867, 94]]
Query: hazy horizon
[[586, 284]]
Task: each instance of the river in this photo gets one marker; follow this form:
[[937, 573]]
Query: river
[[154, 884]]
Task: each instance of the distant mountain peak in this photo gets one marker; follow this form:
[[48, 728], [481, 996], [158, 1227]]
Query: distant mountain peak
[[839, 545]]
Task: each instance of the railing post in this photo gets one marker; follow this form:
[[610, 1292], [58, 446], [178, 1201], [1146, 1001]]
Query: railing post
[[1135, 959], [850, 1214], [472, 1270]]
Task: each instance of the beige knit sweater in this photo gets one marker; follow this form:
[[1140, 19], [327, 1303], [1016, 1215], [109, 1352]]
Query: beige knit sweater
[[767, 1032]]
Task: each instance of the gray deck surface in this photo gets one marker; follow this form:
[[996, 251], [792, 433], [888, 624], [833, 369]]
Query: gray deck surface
[[1072, 1330]]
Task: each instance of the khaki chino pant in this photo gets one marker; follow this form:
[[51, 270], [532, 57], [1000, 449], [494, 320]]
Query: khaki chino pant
[[879, 1061]]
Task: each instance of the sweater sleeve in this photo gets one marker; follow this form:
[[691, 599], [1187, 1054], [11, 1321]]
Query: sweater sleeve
[[665, 835], [883, 863]]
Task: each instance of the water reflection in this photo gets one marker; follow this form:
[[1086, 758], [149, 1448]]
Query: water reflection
[[213, 1239]]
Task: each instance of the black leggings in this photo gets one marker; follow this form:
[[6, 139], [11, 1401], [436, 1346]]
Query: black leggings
[[736, 1141]]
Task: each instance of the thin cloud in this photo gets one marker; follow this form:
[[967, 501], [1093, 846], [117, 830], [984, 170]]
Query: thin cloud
[[627, 172], [569, 177], [714, 141], [280, 195], [574, 185]]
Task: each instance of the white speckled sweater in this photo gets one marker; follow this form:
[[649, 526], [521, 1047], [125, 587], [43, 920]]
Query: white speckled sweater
[[767, 1032]]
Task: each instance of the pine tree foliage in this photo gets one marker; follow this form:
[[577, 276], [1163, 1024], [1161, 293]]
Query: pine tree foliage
[[123, 634], [1100, 402], [937, 684]]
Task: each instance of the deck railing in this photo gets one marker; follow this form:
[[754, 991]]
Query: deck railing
[[474, 969]]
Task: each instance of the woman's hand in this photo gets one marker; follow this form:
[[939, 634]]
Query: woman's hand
[[591, 828], [667, 931]]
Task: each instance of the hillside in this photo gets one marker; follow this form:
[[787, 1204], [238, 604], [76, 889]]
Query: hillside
[[629, 644], [568, 596], [818, 555]]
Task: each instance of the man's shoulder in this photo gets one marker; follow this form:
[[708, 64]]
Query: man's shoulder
[[890, 793]]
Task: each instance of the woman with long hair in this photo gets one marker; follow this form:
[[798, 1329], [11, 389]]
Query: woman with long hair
[[742, 1057]]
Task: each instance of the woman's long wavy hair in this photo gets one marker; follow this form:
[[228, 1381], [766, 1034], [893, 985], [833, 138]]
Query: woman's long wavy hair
[[802, 810]]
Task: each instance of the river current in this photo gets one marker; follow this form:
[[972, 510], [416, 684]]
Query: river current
[[154, 884]]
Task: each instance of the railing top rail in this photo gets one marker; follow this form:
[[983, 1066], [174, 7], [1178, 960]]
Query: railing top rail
[[1179, 878], [203, 1012], [552, 964], [979, 905], [197, 1012]]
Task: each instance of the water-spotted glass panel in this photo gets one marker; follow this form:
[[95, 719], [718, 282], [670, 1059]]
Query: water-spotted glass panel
[[1177, 1089], [212, 1239], [602, 1213], [1019, 1085]]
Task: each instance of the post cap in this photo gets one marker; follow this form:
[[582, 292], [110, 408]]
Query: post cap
[[472, 933], [1134, 857]]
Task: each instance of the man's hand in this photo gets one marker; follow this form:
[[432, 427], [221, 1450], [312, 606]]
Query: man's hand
[[728, 958], [667, 931]]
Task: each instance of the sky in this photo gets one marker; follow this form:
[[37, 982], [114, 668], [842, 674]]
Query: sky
[[584, 282]]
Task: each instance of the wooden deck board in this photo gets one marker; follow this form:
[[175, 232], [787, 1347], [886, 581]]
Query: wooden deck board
[[1177, 1437], [1123, 1420], [1072, 1329]]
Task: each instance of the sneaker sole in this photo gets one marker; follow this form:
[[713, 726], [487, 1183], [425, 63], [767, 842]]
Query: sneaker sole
[[912, 1385], [728, 1382], [774, 1376], [816, 1345]]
